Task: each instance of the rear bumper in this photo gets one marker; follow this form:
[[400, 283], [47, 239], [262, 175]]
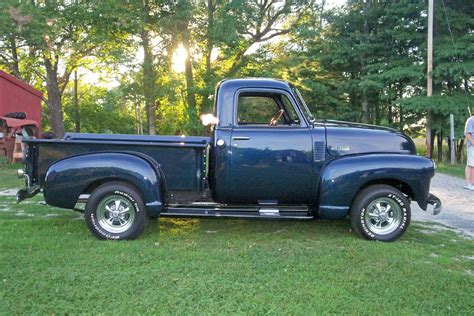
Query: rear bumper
[[30, 190], [27, 193], [434, 205]]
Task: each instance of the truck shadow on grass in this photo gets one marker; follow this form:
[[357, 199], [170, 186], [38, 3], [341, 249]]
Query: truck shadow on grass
[[229, 228]]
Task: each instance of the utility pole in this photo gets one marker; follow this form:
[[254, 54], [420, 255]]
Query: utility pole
[[429, 84]]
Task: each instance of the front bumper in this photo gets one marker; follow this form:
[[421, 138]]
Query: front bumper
[[434, 205]]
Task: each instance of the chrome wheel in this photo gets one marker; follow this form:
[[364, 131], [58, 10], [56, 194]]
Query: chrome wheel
[[383, 216], [115, 214]]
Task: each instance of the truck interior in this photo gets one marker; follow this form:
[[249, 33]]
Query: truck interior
[[267, 109]]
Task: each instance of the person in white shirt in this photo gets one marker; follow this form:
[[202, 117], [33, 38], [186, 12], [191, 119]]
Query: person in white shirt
[[469, 133]]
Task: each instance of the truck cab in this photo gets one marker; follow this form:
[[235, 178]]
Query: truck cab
[[267, 157], [264, 145]]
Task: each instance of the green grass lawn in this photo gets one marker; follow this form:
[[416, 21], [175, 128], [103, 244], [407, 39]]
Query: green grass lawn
[[51, 264], [456, 170], [8, 178]]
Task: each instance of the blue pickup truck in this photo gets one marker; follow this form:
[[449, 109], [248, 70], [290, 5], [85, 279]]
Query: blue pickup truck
[[268, 157]]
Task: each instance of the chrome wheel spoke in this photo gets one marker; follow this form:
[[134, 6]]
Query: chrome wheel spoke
[[383, 216], [115, 214], [379, 207], [125, 210]]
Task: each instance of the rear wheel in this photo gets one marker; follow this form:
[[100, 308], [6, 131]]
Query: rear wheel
[[380, 212], [115, 210]]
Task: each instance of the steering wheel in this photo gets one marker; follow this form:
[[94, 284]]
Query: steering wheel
[[276, 117]]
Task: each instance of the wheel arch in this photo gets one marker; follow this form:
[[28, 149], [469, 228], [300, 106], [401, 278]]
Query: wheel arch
[[404, 187], [342, 179], [72, 176]]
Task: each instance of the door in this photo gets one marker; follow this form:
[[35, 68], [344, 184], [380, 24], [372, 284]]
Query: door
[[271, 150]]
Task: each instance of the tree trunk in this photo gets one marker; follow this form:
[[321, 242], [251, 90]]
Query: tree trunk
[[323, 2], [148, 73], [440, 146], [429, 136], [377, 113], [400, 96], [77, 117], [459, 149], [448, 141], [206, 104], [430, 143], [210, 29], [365, 28], [188, 72], [14, 51], [365, 109], [54, 101]]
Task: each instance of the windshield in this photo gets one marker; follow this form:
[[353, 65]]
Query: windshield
[[303, 106]]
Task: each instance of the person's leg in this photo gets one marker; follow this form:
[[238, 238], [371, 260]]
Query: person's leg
[[470, 165], [468, 174]]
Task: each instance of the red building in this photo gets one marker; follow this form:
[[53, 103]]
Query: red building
[[18, 96]]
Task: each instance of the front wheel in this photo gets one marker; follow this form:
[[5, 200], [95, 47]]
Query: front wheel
[[380, 212], [115, 210]]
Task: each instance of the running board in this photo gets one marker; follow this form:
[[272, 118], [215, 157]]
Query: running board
[[238, 212]]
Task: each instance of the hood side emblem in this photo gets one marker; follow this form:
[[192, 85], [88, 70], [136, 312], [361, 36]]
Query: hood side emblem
[[340, 148]]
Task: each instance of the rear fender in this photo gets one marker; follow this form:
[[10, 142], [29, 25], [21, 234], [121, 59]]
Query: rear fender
[[68, 178], [343, 178]]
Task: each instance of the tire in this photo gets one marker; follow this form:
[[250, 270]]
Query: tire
[[105, 222], [16, 115], [48, 135], [380, 212]]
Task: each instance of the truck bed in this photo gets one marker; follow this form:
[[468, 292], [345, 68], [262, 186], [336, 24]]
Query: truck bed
[[182, 158]]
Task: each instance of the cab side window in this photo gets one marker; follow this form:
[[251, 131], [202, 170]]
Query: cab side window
[[267, 109], [256, 109]]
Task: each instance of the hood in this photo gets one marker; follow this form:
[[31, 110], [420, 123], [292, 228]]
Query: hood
[[345, 138]]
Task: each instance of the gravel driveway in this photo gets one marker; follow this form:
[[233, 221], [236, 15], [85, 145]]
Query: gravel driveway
[[458, 204]]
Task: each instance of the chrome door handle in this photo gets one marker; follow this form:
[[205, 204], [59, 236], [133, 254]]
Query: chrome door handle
[[240, 138]]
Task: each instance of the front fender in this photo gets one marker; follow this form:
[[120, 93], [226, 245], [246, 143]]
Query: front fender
[[342, 179], [68, 178]]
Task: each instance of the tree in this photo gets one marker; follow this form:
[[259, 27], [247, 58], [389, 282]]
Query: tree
[[102, 110], [62, 36], [149, 74], [361, 62]]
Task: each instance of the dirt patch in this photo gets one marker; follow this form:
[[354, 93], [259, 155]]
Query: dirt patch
[[9, 192]]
